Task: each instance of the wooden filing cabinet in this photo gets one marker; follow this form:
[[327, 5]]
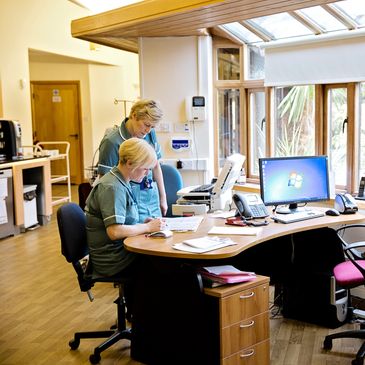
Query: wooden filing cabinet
[[243, 320]]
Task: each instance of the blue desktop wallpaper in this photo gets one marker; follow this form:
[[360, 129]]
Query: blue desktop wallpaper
[[286, 180]]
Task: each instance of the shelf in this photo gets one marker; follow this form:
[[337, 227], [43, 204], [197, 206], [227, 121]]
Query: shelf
[[57, 178], [40, 147], [59, 199]]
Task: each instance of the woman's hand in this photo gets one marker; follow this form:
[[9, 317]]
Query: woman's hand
[[155, 224]]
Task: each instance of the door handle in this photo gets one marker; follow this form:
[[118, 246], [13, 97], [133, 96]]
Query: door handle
[[74, 135]]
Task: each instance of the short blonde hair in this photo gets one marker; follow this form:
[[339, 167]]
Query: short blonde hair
[[138, 152], [146, 109]]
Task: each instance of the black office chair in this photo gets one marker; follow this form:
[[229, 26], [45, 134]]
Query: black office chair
[[84, 190], [350, 274], [173, 182], [72, 229]]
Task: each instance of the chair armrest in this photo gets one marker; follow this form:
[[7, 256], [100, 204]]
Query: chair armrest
[[350, 226]]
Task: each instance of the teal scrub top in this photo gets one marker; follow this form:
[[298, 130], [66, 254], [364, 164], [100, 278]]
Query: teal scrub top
[[147, 197], [110, 202]]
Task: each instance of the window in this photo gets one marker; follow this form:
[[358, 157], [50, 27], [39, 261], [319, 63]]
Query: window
[[337, 125], [229, 64], [362, 130], [256, 63], [294, 127], [229, 139], [257, 127]]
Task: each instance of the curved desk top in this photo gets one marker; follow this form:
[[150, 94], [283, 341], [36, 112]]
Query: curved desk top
[[163, 246]]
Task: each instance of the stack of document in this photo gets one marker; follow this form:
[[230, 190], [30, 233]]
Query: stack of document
[[225, 274], [204, 244]]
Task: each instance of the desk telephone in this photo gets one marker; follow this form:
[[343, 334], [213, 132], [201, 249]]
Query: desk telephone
[[250, 205], [345, 204]]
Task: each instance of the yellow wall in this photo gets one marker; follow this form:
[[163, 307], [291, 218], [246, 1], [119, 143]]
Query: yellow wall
[[44, 25]]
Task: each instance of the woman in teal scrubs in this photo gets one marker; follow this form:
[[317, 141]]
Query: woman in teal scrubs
[[112, 212], [150, 192]]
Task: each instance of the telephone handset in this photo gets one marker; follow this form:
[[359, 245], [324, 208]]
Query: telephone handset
[[345, 204], [361, 187], [250, 205]]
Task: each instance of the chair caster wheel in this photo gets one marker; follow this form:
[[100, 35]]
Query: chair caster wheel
[[327, 344], [357, 362], [94, 358], [74, 344]]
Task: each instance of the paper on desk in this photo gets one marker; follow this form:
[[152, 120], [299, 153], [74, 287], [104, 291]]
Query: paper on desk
[[244, 231], [203, 244], [224, 214]]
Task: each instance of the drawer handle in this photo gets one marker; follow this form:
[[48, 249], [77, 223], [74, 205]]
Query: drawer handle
[[247, 296], [248, 354], [247, 325]]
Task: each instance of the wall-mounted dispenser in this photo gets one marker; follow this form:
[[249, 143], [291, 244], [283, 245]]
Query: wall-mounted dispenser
[[195, 109]]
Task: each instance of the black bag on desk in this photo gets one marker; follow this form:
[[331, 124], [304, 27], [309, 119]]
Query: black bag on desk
[[308, 292]]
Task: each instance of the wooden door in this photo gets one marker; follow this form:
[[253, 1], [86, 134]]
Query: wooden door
[[57, 117]]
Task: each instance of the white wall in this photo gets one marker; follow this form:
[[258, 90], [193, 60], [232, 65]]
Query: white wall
[[172, 69], [45, 25]]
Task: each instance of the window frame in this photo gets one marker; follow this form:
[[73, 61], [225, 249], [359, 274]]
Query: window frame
[[320, 115]]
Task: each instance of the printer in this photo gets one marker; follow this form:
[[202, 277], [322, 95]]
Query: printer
[[192, 202]]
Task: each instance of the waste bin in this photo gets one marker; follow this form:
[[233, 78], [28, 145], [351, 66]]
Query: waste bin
[[30, 205], [6, 203]]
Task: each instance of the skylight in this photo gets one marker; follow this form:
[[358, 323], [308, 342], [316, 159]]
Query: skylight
[[341, 16]]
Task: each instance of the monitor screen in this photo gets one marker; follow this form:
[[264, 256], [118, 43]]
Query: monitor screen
[[293, 180], [229, 174]]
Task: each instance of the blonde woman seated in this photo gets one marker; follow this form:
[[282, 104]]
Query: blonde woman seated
[[112, 211]]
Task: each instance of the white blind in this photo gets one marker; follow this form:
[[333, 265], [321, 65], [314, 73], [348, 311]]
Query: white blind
[[324, 61]]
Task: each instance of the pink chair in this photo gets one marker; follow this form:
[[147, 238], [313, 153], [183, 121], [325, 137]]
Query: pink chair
[[350, 274]]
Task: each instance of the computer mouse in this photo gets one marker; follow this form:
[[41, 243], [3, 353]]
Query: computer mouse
[[332, 212]]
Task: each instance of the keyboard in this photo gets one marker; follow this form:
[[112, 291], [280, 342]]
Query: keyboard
[[205, 188], [184, 223], [298, 216]]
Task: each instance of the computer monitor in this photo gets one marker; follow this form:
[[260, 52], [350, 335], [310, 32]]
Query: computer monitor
[[293, 180], [229, 174], [221, 196]]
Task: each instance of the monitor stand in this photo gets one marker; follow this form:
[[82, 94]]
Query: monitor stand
[[292, 208]]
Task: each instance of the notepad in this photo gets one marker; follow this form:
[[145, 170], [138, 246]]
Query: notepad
[[244, 231], [204, 244]]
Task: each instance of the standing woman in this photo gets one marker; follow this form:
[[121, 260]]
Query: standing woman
[[150, 192], [112, 212]]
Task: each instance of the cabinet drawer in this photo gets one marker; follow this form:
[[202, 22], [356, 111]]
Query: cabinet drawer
[[244, 334], [253, 355], [245, 304]]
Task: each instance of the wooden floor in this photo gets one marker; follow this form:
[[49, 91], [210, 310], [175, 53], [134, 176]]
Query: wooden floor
[[41, 307]]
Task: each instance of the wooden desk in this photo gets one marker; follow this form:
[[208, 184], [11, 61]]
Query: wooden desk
[[163, 247], [33, 171], [171, 315]]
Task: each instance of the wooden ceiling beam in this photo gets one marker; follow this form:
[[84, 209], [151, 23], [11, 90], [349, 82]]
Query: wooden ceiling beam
[[160, 18]]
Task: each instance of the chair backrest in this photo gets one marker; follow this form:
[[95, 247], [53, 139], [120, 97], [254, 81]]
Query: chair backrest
[[173, 182], [72, 229], [84, 191]]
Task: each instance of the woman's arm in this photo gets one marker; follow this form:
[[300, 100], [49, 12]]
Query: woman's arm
[[120, 231], [157, 175]]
